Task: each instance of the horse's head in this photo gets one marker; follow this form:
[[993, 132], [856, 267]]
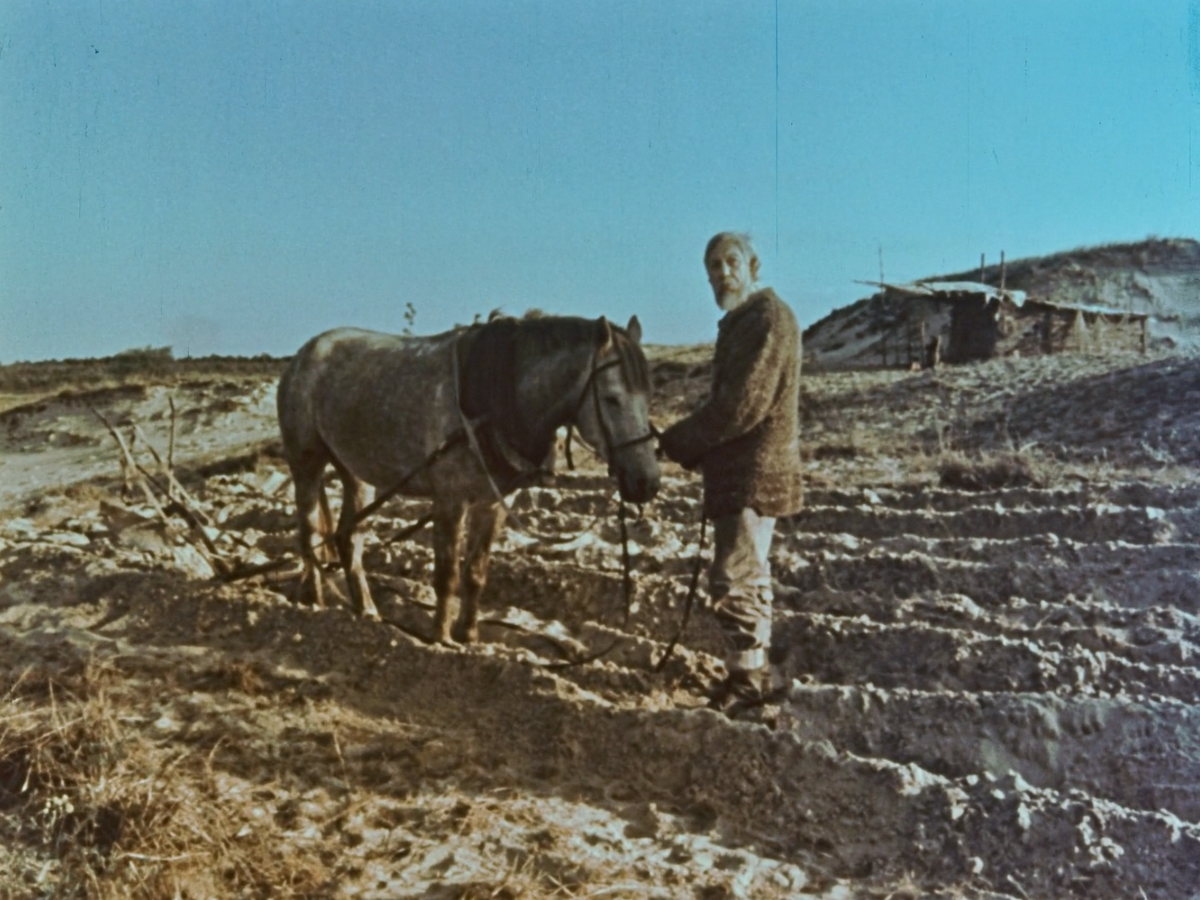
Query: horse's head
[[614, 410]]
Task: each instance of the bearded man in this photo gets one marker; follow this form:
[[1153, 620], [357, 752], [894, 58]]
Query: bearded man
[[745, 439]]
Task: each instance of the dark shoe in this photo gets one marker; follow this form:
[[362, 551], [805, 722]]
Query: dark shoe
[[741, 691]]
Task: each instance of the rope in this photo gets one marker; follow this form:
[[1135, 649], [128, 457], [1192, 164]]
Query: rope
[[627, 589], [691, 597], [626, 573], [373, 507]]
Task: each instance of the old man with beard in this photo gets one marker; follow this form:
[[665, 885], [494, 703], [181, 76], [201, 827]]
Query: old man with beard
[[745, 440]]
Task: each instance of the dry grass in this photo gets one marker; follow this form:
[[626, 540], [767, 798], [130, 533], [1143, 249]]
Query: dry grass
[[91, 805], [988, 471], [96, 803], [682, 354]]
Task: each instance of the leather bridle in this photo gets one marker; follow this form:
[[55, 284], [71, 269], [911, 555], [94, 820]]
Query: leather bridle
[[611, 446]]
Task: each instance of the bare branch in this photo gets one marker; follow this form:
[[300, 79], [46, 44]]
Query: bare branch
[[176, 490], [240, 573], [214, 556]]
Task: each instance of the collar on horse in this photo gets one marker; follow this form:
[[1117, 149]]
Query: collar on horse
[[485, 371], [486, 391], [517, 462]]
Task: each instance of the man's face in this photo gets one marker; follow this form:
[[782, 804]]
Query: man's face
[[730, 274]]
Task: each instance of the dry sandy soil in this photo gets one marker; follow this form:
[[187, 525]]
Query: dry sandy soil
[[987, 619]]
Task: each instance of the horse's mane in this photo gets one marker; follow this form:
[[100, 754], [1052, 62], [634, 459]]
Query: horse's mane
[[489, 380], [499, 348]]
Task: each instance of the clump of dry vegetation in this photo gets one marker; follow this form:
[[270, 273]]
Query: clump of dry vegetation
[[92, 806], [105, 795], [990, 471]]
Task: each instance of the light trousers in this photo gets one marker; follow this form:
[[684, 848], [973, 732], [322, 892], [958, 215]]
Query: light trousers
[[739, 583]]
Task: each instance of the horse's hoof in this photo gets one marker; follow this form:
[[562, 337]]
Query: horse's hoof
[[305, 595]]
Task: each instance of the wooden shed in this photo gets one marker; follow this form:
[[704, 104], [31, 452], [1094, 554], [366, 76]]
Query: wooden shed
[[985, 321], [976, 311], [1063, 328]]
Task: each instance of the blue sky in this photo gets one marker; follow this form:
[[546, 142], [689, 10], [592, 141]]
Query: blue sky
[[235, 177]]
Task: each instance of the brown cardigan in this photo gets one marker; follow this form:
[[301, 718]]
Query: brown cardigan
[[746, 436]]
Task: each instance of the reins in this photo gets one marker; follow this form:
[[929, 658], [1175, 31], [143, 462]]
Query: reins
[[626, 567], [371, 508], [611, 447], [691, 597]]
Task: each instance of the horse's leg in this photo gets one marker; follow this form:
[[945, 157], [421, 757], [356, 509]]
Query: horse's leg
[[484, 522], [326, 553], [349, 538], [448, 516], [312, 515]]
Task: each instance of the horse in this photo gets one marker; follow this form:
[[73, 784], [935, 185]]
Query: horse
[[463, 418]]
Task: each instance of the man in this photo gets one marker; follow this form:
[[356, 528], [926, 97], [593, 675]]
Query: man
[[745, 439]]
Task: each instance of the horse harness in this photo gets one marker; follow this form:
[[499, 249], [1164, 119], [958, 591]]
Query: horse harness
[[610, 445], [514, 459], [524, 468]]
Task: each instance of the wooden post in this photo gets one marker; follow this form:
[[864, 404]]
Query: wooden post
[[1144, 342], [1002, 272], [982, 258]]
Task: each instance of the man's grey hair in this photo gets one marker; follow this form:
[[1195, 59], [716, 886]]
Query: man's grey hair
[[738, 238]]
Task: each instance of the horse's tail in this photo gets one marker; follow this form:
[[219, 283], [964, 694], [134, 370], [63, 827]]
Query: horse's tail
[[326, 550]]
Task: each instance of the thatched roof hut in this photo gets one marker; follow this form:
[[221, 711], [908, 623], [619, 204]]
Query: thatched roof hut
[[1079, 328], [986, 321]]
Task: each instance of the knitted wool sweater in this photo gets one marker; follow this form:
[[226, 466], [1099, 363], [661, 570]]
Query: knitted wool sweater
[[745, 437]]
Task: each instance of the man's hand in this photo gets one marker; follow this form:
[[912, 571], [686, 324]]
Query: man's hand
[[673, 443]]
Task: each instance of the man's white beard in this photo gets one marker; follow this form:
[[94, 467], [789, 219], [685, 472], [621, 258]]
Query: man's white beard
[[731, 300]]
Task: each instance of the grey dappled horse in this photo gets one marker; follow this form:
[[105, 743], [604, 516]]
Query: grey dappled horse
[[381, 407]]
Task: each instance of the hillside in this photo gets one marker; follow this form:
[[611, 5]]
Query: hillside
[[1158, 277]]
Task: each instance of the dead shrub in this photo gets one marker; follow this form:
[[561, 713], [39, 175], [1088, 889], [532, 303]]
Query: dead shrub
[[832, 451], [990, 472], [235, 675], [91, 807]]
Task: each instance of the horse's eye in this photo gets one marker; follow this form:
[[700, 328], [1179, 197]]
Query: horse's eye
[[612, 401]]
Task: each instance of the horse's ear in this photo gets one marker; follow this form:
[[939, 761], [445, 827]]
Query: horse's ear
[[604, 336], [635, 330]]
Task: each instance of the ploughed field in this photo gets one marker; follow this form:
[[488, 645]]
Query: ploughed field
[[987, 618]]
